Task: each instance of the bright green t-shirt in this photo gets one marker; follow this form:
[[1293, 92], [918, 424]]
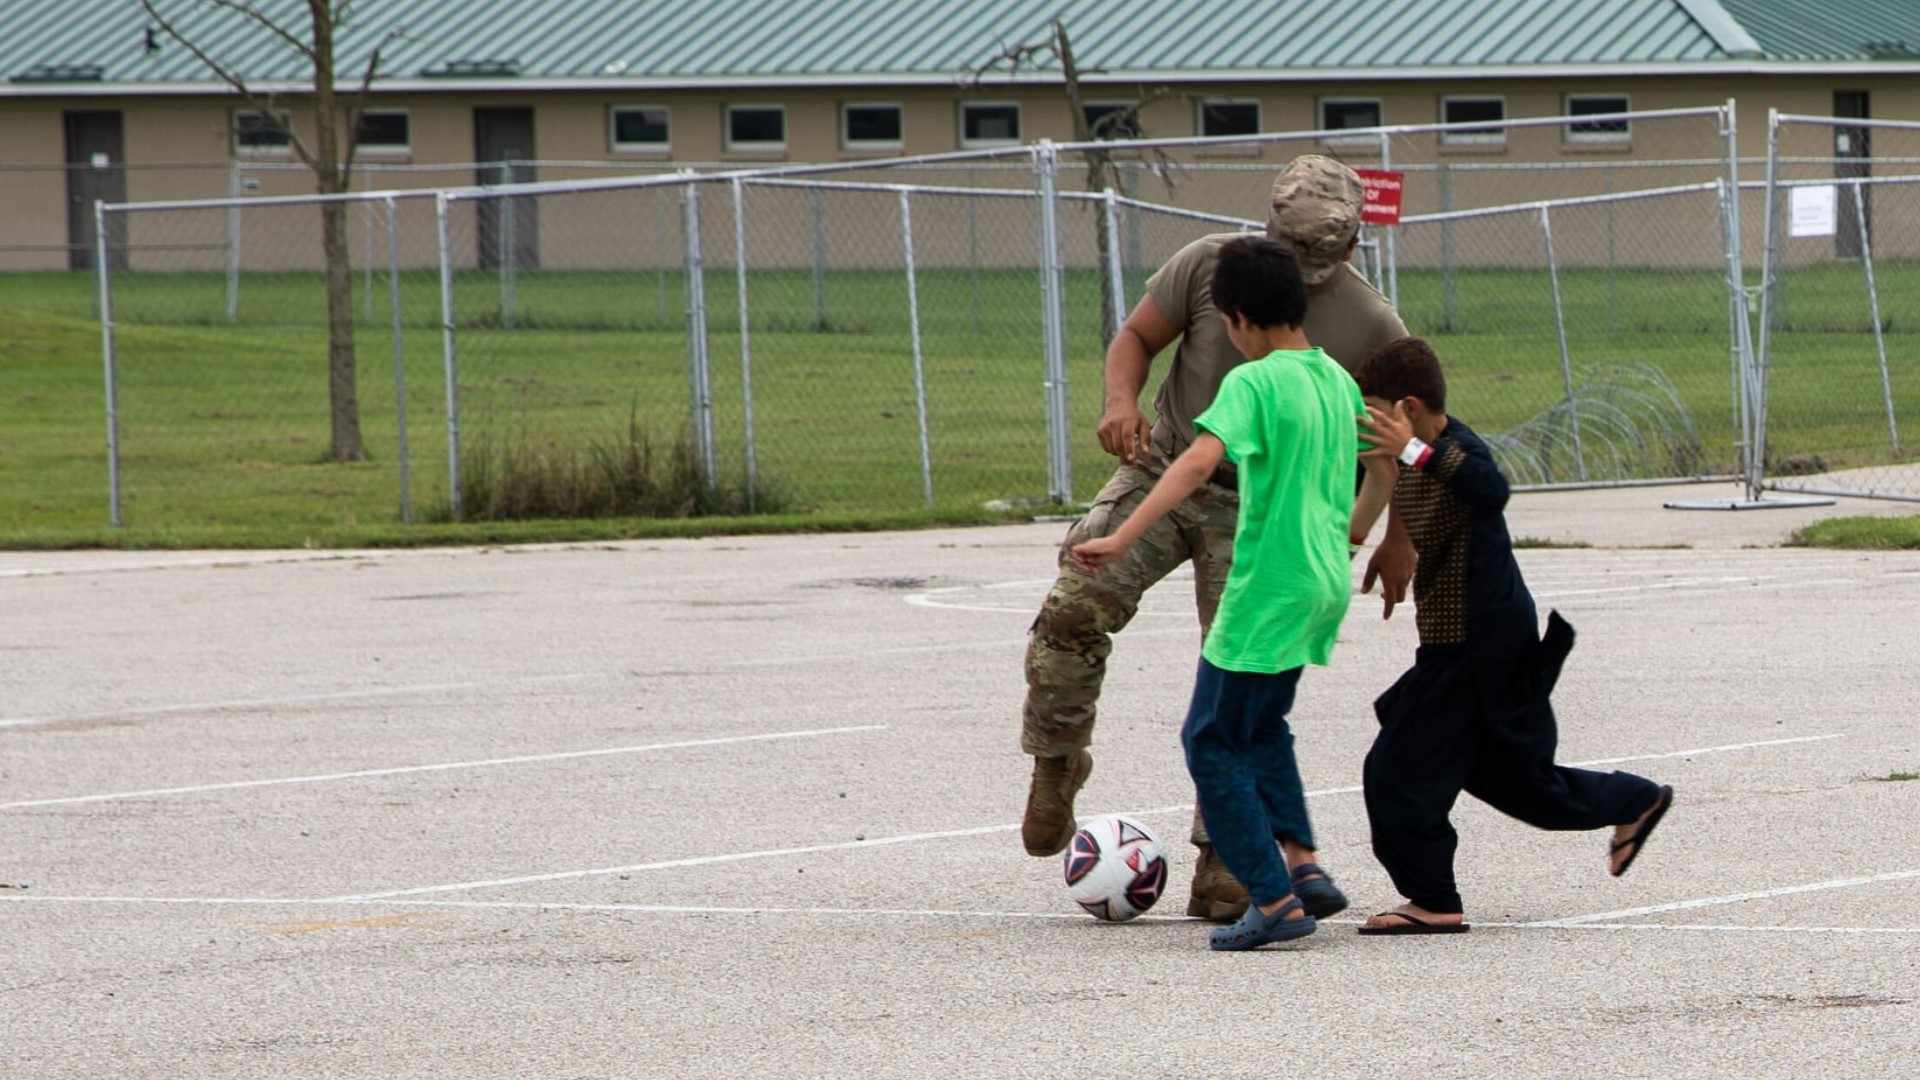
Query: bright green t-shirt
[[1289, 422]]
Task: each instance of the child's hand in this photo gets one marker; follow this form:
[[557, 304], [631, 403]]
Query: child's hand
[[1386, 430], [1101, 551]]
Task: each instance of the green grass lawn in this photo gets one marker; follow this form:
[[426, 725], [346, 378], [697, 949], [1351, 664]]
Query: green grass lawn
[[223, 428]]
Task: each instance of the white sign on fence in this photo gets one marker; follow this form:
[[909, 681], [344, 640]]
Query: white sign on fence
[[1813, 213]]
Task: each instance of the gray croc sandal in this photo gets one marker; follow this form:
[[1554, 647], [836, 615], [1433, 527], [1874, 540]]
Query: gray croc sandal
[[1319, 895], [1254, 929]]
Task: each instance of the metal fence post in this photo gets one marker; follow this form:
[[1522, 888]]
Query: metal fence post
[[1130, 187], [233, 243], [509, 253], [1746, 366], [699, 373], [973, 246], [1739, 340], [1566, 359], [1053, 316], [1873, 301], [1393, 252], [661, 218], [103, 270], [919, 364], [441, 213], [1449, 272], [399, 360], [366, 242], [746, 347], [1762, 365], [817, 254], [1116, 294]]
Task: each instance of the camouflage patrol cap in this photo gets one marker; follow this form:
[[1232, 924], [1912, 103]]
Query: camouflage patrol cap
[[1316, 212]]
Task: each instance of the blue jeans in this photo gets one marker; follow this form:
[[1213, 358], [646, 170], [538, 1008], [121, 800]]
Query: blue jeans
[[1240, 755]]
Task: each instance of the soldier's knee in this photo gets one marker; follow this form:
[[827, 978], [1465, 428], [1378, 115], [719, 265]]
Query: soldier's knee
[[1078, 611]]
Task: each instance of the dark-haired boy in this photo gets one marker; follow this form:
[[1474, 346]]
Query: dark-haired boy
[[1472, 714], [1287, 423]]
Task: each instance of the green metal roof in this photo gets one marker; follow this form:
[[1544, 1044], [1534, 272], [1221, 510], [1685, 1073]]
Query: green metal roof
[[1822, 30], [70, 43]]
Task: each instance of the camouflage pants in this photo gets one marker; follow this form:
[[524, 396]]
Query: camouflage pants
[[1068, 646]]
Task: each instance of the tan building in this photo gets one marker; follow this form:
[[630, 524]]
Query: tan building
[[99, 106]]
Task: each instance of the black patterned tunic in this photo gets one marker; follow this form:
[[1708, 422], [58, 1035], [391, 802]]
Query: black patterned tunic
[[1467, 586]]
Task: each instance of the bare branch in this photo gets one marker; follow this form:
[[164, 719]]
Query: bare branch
[[262, 104], [1011, 59], [359, 106]]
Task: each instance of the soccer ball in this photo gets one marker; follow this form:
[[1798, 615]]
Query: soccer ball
[[1115, 868]]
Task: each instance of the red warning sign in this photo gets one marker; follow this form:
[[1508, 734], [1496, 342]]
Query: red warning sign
[[1383, 196]]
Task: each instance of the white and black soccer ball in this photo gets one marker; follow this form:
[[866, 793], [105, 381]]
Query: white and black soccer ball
[[1115, 868]]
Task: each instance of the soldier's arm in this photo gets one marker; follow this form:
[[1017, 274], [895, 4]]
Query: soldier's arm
[[1182, 478], [1123, 428]]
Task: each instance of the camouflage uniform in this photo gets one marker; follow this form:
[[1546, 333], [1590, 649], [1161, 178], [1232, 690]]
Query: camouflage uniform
[[1071, 637], [1316, 204]]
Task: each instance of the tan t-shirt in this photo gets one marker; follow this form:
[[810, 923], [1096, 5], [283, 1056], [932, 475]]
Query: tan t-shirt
[[1346, 317]]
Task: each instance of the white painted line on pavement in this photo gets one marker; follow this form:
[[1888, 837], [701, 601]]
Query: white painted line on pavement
[[699, 860], [447, 766], [1721, 928], [909, 838], [220, 562], [1736, 898], [278, 702], [903, 913], [1729, 748]]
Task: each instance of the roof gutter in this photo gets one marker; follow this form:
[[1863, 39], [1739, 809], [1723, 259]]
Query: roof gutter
[[631, 84]]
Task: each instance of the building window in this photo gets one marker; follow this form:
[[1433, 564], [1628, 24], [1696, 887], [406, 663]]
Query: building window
[[1341, 114], [985, 124], [1110, 120], [756, 127], [1219, 118], [385, 131], [1600, 129], [1473, 110], [638, 127], [871, 127], [254, 135]]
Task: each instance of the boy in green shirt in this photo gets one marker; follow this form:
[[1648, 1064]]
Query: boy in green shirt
[[1289, 424]]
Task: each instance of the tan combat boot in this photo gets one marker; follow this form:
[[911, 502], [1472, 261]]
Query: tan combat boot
[[1216, 895], [1048, 825]]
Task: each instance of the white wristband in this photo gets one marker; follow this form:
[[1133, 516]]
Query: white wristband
[[1415, 452]]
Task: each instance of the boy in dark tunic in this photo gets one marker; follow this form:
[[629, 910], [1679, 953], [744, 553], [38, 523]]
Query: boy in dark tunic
[[1472, 714]]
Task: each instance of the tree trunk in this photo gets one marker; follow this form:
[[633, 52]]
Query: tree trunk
[[333, 179], [1099, 176], [342, 395]]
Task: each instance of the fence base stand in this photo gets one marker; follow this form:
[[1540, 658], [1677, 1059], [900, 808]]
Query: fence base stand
[[1763, 503]]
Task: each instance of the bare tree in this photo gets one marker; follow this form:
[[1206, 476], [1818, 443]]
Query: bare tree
[[329, 156], [1119, 123]]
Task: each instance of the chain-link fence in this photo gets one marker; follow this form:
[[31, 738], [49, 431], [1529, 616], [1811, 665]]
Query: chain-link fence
[[1839, 337], [1592, 338], [896, 334], [219, 370]]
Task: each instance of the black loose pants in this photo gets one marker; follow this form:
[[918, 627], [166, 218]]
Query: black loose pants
[[1478, 719]]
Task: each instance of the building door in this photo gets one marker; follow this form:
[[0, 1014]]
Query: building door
[[1852, 157], [96, 172], [503, 151]]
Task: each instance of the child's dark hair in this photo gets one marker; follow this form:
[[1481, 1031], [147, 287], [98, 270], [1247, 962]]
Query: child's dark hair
[[1401, 368], [1258, 280]]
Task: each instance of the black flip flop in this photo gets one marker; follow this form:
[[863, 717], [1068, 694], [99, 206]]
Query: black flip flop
[[1639, 838], [1413, 925]]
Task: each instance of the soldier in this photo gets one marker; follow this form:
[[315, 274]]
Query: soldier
[[1316, 209]]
